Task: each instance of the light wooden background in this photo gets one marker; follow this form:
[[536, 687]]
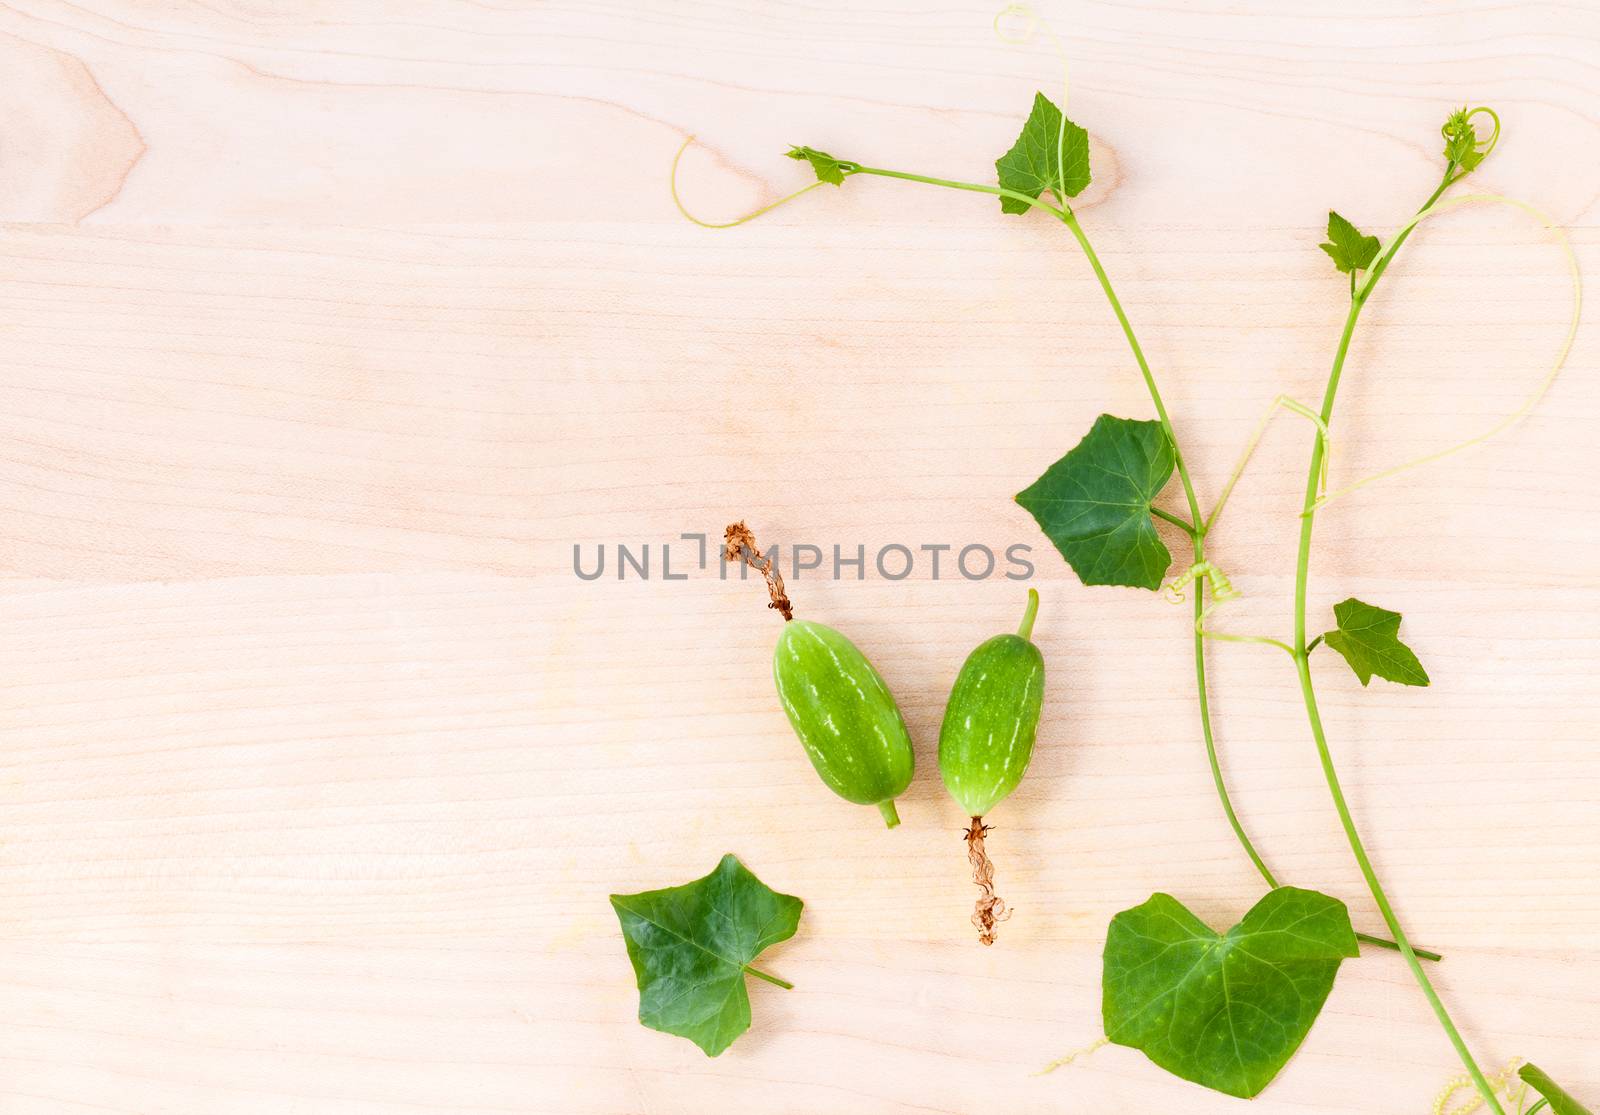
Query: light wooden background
[[330, 328]]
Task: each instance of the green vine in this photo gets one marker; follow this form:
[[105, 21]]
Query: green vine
[[1097, 505]]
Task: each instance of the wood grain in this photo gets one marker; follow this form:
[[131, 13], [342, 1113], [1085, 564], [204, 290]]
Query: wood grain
[[331, 329]]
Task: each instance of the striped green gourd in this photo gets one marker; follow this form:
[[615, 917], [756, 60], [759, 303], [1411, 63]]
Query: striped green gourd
[[839, 706], [986, 742], [844, 715]]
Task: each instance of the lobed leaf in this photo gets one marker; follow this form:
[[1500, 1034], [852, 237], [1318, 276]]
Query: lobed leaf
[[1051, 154], [691, 946], [1094, 503], [1223, 1010], [827, 168], [1560, 1102], [1349, 250], [1368, 638]]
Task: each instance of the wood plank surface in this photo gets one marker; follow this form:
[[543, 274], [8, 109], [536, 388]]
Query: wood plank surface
[[331, 329]]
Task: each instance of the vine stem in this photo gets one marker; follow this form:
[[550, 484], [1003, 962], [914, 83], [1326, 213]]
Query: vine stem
[[1070, 219], [1197, 533], [952, 184], [1196, 528], [1302, 660], [1211, 743]]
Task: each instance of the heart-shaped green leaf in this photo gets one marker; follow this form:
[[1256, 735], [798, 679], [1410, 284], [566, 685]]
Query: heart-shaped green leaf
[[1223, 1010], [1094, 503], [1560, 1102], [692, 945]]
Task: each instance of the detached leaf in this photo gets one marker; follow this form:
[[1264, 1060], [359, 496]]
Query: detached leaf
[[1560, 1102], [691, 946], [1368, 637], [1050, 154], [1094, 503], [828, 168], [1349, 250], [1461, 141], [1226, 1011]]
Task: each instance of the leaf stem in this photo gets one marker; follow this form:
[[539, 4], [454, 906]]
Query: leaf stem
[[1385, 943], [1182, 524], [759, 974], [1308, 692]]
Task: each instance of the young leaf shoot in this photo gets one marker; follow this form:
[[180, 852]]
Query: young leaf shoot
[[1349, 250]]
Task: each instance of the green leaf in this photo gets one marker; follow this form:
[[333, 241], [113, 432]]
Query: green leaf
[[828, 168], [1560, 1102], [1226, 1011], [1461, 141], [1094, 503], [1368, 637], [1050, 154], [692, 945], [1349, 250]]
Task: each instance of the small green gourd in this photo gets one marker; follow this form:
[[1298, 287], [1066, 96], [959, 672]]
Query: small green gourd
[[986, 742], [839, 706]]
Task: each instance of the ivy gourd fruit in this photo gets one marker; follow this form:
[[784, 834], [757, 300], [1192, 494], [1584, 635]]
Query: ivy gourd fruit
[[986, 742], [844, 715], [837, 703]]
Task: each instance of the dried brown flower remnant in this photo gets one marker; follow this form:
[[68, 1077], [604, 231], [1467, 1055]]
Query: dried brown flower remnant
[[990, 908], [739, 544]]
